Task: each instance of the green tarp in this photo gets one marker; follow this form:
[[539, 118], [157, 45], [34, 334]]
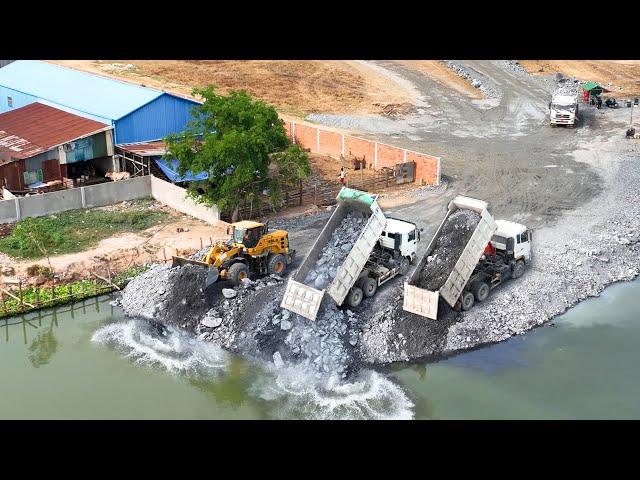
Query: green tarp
[[590, 86]]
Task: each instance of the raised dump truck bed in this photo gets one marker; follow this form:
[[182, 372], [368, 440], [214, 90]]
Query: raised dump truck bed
[[304, 299], [424, 302]]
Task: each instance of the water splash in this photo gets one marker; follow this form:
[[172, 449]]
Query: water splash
[[290, 392], [167, 348], [297, 393]]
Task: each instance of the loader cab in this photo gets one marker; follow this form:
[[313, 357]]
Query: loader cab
[[248, 233], [512, 239], [400, 236]]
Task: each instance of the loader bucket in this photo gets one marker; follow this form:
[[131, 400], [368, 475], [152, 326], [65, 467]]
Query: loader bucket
[[179, 261], [212, 277]]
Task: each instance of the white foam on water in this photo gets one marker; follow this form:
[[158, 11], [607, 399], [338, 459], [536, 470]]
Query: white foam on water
[[297, 393], [174, 351]]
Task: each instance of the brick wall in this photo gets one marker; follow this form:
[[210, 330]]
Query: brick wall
[[381, 155]]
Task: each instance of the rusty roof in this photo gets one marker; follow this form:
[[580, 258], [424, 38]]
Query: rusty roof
[[145, 149], [37, 128]]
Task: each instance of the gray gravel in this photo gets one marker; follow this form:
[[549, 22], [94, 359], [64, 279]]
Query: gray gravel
[[454, 236], [475, 78], [335, 251]]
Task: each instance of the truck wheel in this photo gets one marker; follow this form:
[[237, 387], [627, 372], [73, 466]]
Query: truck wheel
[[237, 272], [404, 265], [277, 264], [355, 297], [467, 301], [480, 291], [369, 287], [518, 269]]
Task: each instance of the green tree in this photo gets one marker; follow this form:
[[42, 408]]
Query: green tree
[[242, 144]]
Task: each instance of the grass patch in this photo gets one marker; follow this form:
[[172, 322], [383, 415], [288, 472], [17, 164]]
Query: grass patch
[[78, 230]]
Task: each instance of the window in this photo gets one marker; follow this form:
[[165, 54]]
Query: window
[[412, 235], [391, 235], [10, 102]]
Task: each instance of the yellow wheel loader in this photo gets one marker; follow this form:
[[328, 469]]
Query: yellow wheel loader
[[251, 249]]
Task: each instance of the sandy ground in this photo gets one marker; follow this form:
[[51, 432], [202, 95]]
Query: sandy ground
[[294, 87], [623, 75], [128, 249], [442, 74]]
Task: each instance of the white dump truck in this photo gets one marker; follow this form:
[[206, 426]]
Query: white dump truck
[[563, 107], [383, 250], [496, 251]]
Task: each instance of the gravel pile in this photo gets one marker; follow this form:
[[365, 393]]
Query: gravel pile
[[172, 296], [454, 236], [474, 79], [567, 86], [335, 251]]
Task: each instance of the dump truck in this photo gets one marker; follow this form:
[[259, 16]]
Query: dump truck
[[496, 251], [362, 263], [563, 107], [252, 249]]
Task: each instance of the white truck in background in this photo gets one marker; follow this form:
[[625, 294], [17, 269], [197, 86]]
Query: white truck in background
[[563, 107], [496, 251]]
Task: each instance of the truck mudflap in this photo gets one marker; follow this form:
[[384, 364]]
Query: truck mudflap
[[347, 274], [302, 299], [461, 273], [420, 301]]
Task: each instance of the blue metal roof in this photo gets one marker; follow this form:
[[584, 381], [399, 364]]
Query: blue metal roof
[[85, 92]]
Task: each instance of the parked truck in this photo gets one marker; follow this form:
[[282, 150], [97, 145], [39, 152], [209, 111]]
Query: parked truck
[[563, 107], [496, 251], [383, 250]]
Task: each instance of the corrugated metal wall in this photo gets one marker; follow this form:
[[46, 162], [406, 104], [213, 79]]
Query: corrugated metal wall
[[165, 115]]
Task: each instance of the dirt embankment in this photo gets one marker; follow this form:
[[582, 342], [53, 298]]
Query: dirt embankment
[[623, 75], [438, 71], [294, 87]]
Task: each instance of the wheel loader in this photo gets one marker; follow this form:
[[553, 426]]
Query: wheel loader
[[252, 249]]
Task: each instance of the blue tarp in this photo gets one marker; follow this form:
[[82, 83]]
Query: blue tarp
[[170, 169]]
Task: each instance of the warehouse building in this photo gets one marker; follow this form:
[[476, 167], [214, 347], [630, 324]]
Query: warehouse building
[[136, 113], [43, 149]]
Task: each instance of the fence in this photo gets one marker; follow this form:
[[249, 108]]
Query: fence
[[381, 155], [317, 193]]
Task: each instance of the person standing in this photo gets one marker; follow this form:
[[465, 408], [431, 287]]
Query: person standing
[[342, 175]]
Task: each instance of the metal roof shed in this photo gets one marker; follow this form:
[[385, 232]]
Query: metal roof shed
[[137, 113]]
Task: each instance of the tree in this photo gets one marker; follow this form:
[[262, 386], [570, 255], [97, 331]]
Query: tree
[[242, 144]]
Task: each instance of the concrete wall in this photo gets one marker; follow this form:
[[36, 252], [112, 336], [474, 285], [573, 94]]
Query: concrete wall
[[177, 198], [379, 154], [12, 210]]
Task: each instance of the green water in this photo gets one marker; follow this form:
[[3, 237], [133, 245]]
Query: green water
[[92, 363]]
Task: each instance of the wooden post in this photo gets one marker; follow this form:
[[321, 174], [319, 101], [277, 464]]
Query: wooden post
[[53, 292], [95, 287], [315, 193], [201, 245], [210, 242], [70, 292], [164, 254], [21, 299], [37, 291], [4, 304], [300, 192]]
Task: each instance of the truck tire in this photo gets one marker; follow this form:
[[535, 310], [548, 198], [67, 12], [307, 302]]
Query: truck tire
[[237, 272], [481, 291], [404, 265], [467, 301], [518, 269], [354, 298], [369, 287], [276, 264]]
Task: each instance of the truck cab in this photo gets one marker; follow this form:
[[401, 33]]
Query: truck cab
[[513, 240], [563, 110], [401, 237]]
